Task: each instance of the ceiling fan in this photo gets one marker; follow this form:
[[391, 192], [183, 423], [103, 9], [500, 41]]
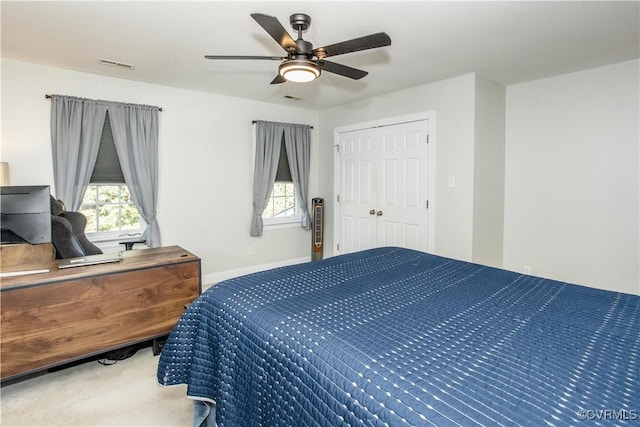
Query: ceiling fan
[[303, 63]]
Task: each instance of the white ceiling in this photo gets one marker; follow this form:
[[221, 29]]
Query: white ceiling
[[508, 42]]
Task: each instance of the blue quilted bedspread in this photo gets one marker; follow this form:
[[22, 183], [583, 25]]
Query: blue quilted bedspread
[[394, 337]]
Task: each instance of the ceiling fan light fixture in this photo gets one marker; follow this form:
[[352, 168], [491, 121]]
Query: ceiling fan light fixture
[[299, 70]]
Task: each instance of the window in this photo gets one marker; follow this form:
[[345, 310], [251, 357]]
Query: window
[[110, 211], [287, 202], [282, 205], [107, 204]]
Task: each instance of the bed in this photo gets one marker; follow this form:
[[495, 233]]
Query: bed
[[395, 337]]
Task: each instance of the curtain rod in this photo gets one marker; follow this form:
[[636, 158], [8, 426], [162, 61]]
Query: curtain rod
[[47, 96], [255, 121]]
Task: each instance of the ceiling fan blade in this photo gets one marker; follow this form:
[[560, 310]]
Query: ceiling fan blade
[[278, 79], [279, 58], [343, 70], [362, 43], [275, 29]]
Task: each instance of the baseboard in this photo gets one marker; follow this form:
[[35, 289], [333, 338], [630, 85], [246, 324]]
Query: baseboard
[[211, 279]]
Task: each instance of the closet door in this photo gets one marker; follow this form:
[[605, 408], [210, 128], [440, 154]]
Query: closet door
[[357, 196], [382, 199], [401, 208]]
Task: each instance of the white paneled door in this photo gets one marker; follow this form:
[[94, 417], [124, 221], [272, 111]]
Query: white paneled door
[[383, 187]]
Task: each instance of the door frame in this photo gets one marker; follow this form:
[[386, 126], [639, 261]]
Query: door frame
[[430, 117]]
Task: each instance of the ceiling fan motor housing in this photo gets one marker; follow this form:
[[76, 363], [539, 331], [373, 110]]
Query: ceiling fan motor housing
[[304, 47], [300, 21]]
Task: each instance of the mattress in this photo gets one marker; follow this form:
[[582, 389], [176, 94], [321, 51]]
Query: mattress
[[395, 337]]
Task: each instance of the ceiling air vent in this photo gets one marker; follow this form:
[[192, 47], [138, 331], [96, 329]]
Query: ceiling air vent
[[116, 64]]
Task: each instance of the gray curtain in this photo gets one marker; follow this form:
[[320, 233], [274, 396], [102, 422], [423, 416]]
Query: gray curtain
[[268, 140], [297, 140], [135, 136], [76, 128]]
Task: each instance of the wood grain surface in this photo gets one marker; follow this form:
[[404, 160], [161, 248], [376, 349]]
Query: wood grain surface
[[52, 318]]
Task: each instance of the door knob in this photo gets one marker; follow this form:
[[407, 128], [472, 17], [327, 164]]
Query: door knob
[[379, 213], [372, 212]]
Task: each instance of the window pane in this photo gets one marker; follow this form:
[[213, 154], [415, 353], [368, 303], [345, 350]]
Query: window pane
[[268, 210], [282, 202], [109, 208], [290, 203], [91, 213], [125, 196], [130, 217], [278, 206], [279, 189], [90, 196], [108, 194], [108, 217]]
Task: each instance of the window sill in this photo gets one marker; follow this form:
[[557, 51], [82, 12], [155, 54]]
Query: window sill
[[111, 238], [279, 225]]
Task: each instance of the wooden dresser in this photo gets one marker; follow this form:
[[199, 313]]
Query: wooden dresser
[[63, 315]]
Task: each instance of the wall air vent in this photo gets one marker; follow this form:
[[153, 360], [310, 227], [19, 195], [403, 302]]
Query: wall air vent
[[116, 64]]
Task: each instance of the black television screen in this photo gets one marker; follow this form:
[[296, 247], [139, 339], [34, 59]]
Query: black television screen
[[25, 214]]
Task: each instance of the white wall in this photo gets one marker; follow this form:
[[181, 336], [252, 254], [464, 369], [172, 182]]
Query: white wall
[[452, 101], [205, 159], [488, 173], [572, 177]]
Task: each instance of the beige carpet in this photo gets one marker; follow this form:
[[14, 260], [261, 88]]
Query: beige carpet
[[90, 394]]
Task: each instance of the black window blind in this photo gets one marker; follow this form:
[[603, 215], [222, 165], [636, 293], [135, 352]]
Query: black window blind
[[107, 169], [284, 173]]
